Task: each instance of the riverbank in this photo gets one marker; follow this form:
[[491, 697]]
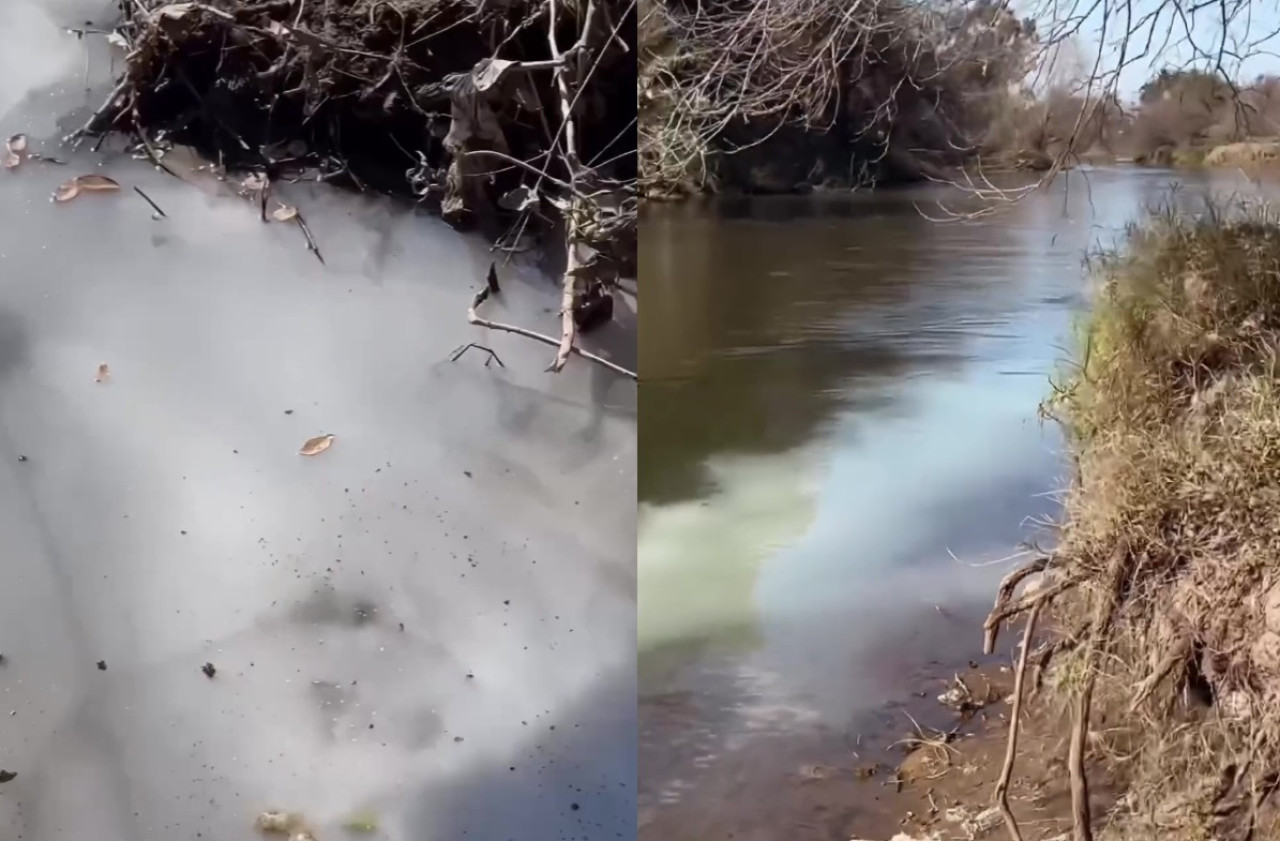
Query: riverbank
[[1254, 155], [757, 175], [1164, 675], [507, 119]]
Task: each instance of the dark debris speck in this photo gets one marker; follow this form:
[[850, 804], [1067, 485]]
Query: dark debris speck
[[209, 670]]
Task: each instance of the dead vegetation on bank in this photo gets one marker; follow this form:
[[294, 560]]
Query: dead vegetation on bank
[[766, 96], [511, 116], [1165, 587]]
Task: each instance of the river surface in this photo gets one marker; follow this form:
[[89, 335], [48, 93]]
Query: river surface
[[841, 452], [432, 623]]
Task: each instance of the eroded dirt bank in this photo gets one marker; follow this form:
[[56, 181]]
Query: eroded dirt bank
[[1159, 708]]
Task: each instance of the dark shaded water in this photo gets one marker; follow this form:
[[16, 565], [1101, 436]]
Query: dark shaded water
[[840, 452]]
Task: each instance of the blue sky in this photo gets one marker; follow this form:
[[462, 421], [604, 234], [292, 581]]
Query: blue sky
[[1250, 33]]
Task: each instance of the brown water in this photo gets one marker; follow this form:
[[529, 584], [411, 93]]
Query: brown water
[[840, 449]]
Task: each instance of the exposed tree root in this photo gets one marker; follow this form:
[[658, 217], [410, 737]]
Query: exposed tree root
[[1164, 583], [1011, 749]]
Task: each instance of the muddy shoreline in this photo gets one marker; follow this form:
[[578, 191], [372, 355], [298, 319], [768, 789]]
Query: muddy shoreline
[[935, 783], [874, 779]]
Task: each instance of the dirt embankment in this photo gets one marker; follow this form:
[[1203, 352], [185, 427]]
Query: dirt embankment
[[1150, 707], [1164, 592], [393, 97]]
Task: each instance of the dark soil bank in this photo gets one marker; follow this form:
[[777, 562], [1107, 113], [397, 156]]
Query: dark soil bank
[[453, 103]]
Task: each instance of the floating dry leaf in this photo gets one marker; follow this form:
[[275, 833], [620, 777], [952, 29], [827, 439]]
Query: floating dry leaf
[[68, 190], [283, 823], [8, 776], [97, 182], [317, 445], [104, 371], [13, 149], [284, 213]]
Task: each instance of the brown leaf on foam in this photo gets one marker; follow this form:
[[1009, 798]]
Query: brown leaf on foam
[[104, 371], [316, 446], [97, 183], [68, 190]]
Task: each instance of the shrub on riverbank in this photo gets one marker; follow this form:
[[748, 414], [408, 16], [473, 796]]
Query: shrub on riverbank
[[1167, 574], [1186, 118], [767, 96]]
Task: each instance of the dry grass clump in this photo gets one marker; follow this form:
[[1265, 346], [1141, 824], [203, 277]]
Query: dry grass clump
[[1243, 154], [1167, 575]]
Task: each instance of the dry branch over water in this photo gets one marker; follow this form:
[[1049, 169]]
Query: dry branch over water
[[512, 116], [1166, 580]]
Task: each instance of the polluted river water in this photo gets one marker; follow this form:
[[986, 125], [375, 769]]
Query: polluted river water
[[841, 452], [430, 625]]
